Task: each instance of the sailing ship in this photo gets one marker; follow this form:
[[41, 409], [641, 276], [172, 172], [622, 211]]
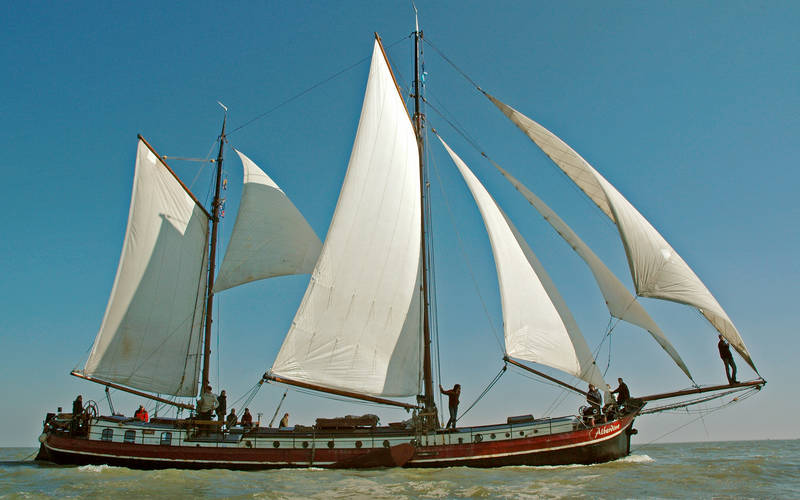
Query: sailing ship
[[363, 327]]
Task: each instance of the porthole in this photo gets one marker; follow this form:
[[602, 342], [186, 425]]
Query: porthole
[[166, 438], [508, 434], [478, 438], [521, 433], [276, 444], [130, 436], [460, 440], [536, 431], [330, 444], [305, 444], [358, 444], [107, 435], [492, 435], [385, 443]]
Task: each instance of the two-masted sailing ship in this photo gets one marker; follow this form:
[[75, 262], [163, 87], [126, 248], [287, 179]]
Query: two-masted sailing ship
[[363, 327]]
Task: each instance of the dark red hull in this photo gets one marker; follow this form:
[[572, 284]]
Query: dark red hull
[[490, 446]]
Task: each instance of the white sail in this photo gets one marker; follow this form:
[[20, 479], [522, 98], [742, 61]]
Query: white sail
[[150, 338], [621, 304], [357, 328], [657, 270], [537, 324], [270, 236]]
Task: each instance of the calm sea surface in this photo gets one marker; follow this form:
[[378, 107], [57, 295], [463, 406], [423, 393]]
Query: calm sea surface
[[745, 469]]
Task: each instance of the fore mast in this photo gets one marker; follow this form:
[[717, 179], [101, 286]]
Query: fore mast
[[215, 210]]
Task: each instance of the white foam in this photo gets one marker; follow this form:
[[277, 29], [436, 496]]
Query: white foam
[[637, 459], [94, 468]]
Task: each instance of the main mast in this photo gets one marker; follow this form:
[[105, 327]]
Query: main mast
[[429, 413], [212, 261]]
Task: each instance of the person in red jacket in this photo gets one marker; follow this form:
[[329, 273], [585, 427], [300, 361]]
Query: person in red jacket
[[141, 414]]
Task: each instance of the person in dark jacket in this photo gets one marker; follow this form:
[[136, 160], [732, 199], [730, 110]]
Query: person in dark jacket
[[452, 403], [222, 400], [232, 419], [622, 391], [727, 359], [247, 419]]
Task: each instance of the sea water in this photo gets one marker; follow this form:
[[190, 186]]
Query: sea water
[[742, 469]]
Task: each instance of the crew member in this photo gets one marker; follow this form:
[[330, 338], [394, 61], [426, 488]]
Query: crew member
[[452, 403], [727, 359], [623, 394], [207, 404], [247, 419]]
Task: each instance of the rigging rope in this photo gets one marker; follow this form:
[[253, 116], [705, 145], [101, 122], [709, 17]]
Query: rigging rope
[[485, 391], [309, 89]]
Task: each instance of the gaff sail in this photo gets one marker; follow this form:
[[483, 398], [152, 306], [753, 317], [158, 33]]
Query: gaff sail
[[150, 338], [358, 326]]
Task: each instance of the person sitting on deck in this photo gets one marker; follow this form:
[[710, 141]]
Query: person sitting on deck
[[207, 404], [452, 403], [595, 400], [232, 419], [284, 421], [141, 414], [247, 419]]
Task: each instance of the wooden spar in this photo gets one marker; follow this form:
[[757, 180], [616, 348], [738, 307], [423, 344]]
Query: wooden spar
[[212, 261], [161, 159], [698, 390], [337, 392], [132, 391], [544, 375]]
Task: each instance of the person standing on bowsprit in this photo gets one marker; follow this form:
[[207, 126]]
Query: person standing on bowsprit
[[727, 359]]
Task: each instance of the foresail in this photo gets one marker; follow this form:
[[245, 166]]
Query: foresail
[[537, 324], [270, 236], [621, 304], [657, 270], [150, 338], [357, 328]]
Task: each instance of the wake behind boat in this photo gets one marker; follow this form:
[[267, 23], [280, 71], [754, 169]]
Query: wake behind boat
[[363, 328]]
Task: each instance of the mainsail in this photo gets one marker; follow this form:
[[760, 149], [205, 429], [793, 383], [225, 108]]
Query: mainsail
[[537, 324], [150, 338], [270, 236], [621, 304], [657, 269], [358, 326]]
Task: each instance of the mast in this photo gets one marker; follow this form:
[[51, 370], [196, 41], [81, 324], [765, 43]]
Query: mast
[[430, 413], [215, 206]]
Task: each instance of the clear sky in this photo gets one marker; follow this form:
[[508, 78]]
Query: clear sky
[[690, 108]]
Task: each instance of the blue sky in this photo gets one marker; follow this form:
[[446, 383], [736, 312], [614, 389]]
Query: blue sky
[[690, 108]]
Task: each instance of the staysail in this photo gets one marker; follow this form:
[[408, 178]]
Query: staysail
[[621, 304], [358, 326], [150, 338], [270, 236], [657, 269], [537, 324]]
